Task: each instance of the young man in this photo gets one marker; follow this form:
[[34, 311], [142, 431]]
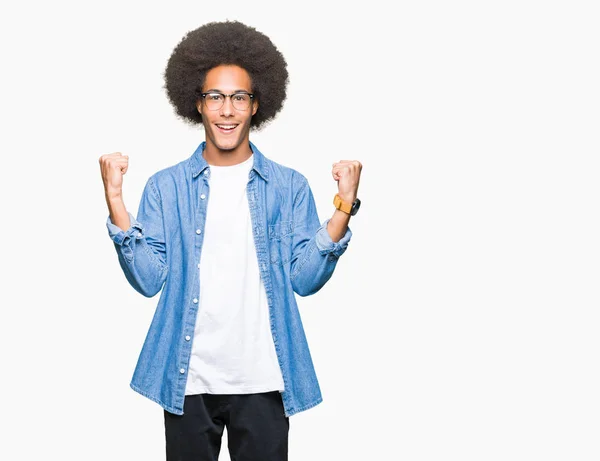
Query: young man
[[230, 237]]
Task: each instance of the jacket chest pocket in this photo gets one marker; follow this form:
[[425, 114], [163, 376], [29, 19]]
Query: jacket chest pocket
[[280, 242]]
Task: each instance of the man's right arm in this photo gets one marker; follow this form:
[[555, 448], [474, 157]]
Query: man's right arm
[[139, 243]]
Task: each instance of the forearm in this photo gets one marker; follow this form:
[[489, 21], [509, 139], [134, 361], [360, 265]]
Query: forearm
[[338, 224], [117, 211]]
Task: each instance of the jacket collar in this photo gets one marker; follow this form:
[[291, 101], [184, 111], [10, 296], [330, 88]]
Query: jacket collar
[[198, 164]]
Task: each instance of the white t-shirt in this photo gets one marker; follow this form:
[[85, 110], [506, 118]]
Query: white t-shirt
[[233, 350]]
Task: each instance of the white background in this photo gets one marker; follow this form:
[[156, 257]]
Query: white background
[[461, 324]]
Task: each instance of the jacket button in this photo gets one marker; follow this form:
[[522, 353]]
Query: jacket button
[[203, 196], [198, 231], [182, 370], [195, 300], [187, 338]]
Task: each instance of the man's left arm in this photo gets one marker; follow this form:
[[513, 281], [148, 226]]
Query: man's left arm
[[316, 249]]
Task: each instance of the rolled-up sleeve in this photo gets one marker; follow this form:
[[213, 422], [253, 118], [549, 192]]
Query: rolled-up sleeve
[[326, 245], [314, 253], [141, 249]]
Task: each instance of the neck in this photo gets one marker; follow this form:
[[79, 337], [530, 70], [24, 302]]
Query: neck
[[219, 157]]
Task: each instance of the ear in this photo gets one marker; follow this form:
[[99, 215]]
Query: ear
[[199, 106], [254, 107]]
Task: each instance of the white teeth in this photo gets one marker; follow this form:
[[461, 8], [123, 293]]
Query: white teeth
[[227, 127]]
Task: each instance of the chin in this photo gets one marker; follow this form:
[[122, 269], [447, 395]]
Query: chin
[[228, 146]]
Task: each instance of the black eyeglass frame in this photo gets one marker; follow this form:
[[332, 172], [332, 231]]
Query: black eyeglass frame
[[225, 96]]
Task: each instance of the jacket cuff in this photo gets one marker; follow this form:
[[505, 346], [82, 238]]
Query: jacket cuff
[[121, 237], [326, 245]]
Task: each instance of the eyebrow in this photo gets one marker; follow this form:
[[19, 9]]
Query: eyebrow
[[215, 90]]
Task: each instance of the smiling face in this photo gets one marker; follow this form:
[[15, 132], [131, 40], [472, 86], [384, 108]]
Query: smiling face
[[227, 128]]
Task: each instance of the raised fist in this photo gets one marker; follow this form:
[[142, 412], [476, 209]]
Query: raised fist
[[347, 175], [113, 167]]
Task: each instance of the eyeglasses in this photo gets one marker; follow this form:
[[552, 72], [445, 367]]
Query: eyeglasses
[[240, 101]]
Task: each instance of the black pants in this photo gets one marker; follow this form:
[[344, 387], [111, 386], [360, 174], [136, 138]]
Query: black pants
[[257, 428]]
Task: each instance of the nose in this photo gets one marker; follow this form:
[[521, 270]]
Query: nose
[[227, 108]]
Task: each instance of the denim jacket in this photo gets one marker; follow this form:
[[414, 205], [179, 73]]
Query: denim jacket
[[161, 250]]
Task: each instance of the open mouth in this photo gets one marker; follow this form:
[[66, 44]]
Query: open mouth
[[226, 127]]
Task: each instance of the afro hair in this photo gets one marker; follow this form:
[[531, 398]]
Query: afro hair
[[218, 43]]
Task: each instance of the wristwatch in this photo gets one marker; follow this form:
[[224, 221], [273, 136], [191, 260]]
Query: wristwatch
[[348, 208]]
